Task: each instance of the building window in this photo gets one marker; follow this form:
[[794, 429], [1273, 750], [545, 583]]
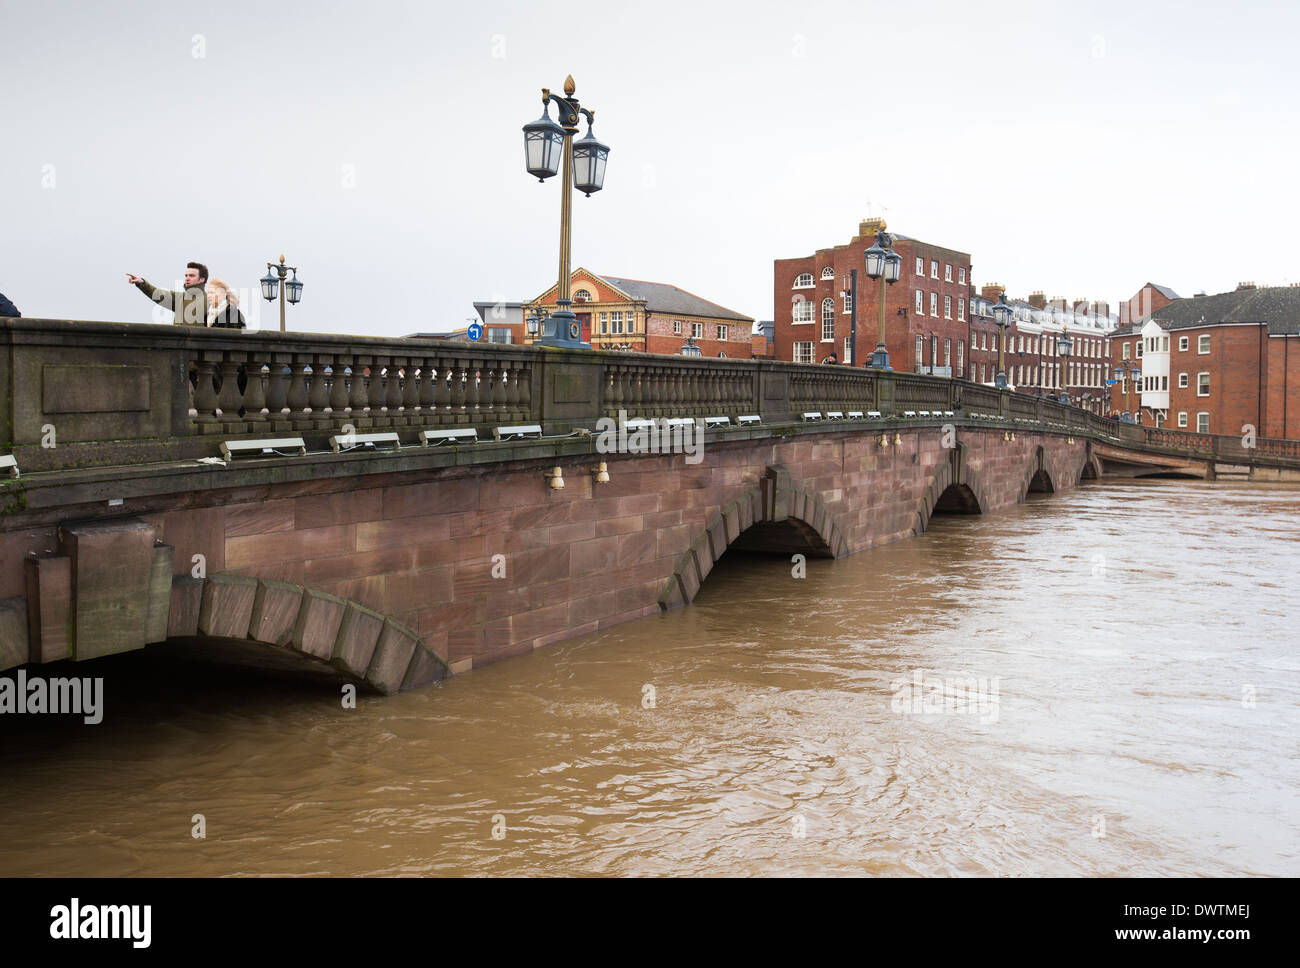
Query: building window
[[1182, 418], [828, 273], [1124, 355], [722, 356], [934, 269], [1138, 349], [1182, 345], [920, 302], [828, 319], [961, 357], [1164, 344], [947, 272], [803, 352], [677, 327], [961, 309], [697, 330], [947, 307], [934, 351], [920, 352], [1202, 384], [848, 301], [934, 304], [961, 275], [498, 334], [631, 322], [604, 323], [1182, 381], [582, 296], [803, 311], [803, 281], [722, 332], [920, 266], [1202, 347], [616, 323], [1202, 423], [1164, 383], [947, 352], [847, 356]]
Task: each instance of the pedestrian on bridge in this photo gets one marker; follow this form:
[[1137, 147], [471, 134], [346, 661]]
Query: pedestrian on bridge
[[7, 308], [223, 306], [191, 305]]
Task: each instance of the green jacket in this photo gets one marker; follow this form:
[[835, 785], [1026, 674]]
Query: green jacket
[[193, 303]]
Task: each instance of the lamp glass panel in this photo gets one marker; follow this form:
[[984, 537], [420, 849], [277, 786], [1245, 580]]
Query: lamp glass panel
[[270, 286], [875, 259], [293, 291], [893, 267]]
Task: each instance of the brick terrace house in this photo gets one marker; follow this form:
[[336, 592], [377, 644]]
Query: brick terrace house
[[925, 311], [1214, 364], [650, 317]]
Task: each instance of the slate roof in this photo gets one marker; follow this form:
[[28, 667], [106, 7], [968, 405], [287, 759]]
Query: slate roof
[[1278, 306], [1164, 290], [662, 298]]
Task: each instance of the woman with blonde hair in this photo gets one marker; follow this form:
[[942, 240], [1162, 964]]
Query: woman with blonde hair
[[223, 306]]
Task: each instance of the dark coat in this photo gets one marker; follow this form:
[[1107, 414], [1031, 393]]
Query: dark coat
[[229, 318], [7, 308]]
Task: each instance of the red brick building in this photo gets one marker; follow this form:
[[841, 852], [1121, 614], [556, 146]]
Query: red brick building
[[1214, 364], [1151, 298], [925, 311], [650, 317]]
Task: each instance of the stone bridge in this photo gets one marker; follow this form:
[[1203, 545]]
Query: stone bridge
[[392, 567]]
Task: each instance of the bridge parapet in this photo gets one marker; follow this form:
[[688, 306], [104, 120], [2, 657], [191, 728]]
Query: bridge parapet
[[77, 394]]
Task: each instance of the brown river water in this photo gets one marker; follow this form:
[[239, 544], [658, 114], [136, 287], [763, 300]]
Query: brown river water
[[1135, 710]]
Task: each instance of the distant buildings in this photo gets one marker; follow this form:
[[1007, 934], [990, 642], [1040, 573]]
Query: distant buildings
[[649, 317], [1216, 364]]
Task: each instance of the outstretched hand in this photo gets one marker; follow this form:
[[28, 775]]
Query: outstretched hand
[[133, 279]]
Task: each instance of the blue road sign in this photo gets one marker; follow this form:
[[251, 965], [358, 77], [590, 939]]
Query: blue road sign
[[1110, 383], [475, 332]]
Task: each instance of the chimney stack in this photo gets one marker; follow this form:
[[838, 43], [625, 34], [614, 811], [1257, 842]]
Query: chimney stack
[[992, 291], [1245, 285], [1038, 300], [871, 226]]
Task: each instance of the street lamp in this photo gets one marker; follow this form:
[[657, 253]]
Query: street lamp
[[534, 323], [689, 348], [548, 147], [1002, 316], [882, 262], [292, 288]]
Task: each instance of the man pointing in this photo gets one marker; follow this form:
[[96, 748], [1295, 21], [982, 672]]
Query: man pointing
[[190, 306]]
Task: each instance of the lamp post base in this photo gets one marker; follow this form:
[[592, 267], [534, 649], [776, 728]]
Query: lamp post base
[[562, 330], [880, 359]]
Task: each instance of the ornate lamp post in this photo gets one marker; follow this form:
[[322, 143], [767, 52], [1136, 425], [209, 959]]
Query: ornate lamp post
[[548, 147], [1064, 347], [689, 348], [1002, 316], [882, 262], [271, 284]]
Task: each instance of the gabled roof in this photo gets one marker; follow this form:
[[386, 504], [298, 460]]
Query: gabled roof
[[660, 297], [1277, 306], [1163, 290]]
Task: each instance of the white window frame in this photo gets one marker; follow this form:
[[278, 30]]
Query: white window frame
[[920, 266], [1206, 374], [961, 309], [920, 351], [677, 327], [961, 276], [934, 305], [795, 313], [828, 273], [947, 272], [697, 330], [947, 307], [604, 324], [1182, 381], [847, 296], [1203, 345], [803, 349], [1203, 418], [799, 282], [828, 318], [920, 302], [934, 269], [1182, 346], [616, 322], [582, 296], [722, 331]]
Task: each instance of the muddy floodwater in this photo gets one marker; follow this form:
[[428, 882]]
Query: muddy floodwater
[[1100, 682]]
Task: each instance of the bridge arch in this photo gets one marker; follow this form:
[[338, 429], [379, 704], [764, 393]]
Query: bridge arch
[[776, 516], [955, 487], [300, 622]]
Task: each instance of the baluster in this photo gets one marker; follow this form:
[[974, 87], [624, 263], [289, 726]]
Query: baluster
[[459, 375], [297, 398], [318, 394], [360, 395], [393, 387], [426, 398], [441, 386], [512, 386], [500, 373], [339, 371], [523, 380], [254, 390], [205, 393], [376, 389], [473, 386], [411, 386], [616, 397], [229, 400], [277, 390]]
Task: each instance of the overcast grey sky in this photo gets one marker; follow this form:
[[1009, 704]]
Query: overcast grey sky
[[1080, 150]]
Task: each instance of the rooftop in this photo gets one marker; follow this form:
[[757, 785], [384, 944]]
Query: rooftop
[[1277, 306], [660, 297]]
